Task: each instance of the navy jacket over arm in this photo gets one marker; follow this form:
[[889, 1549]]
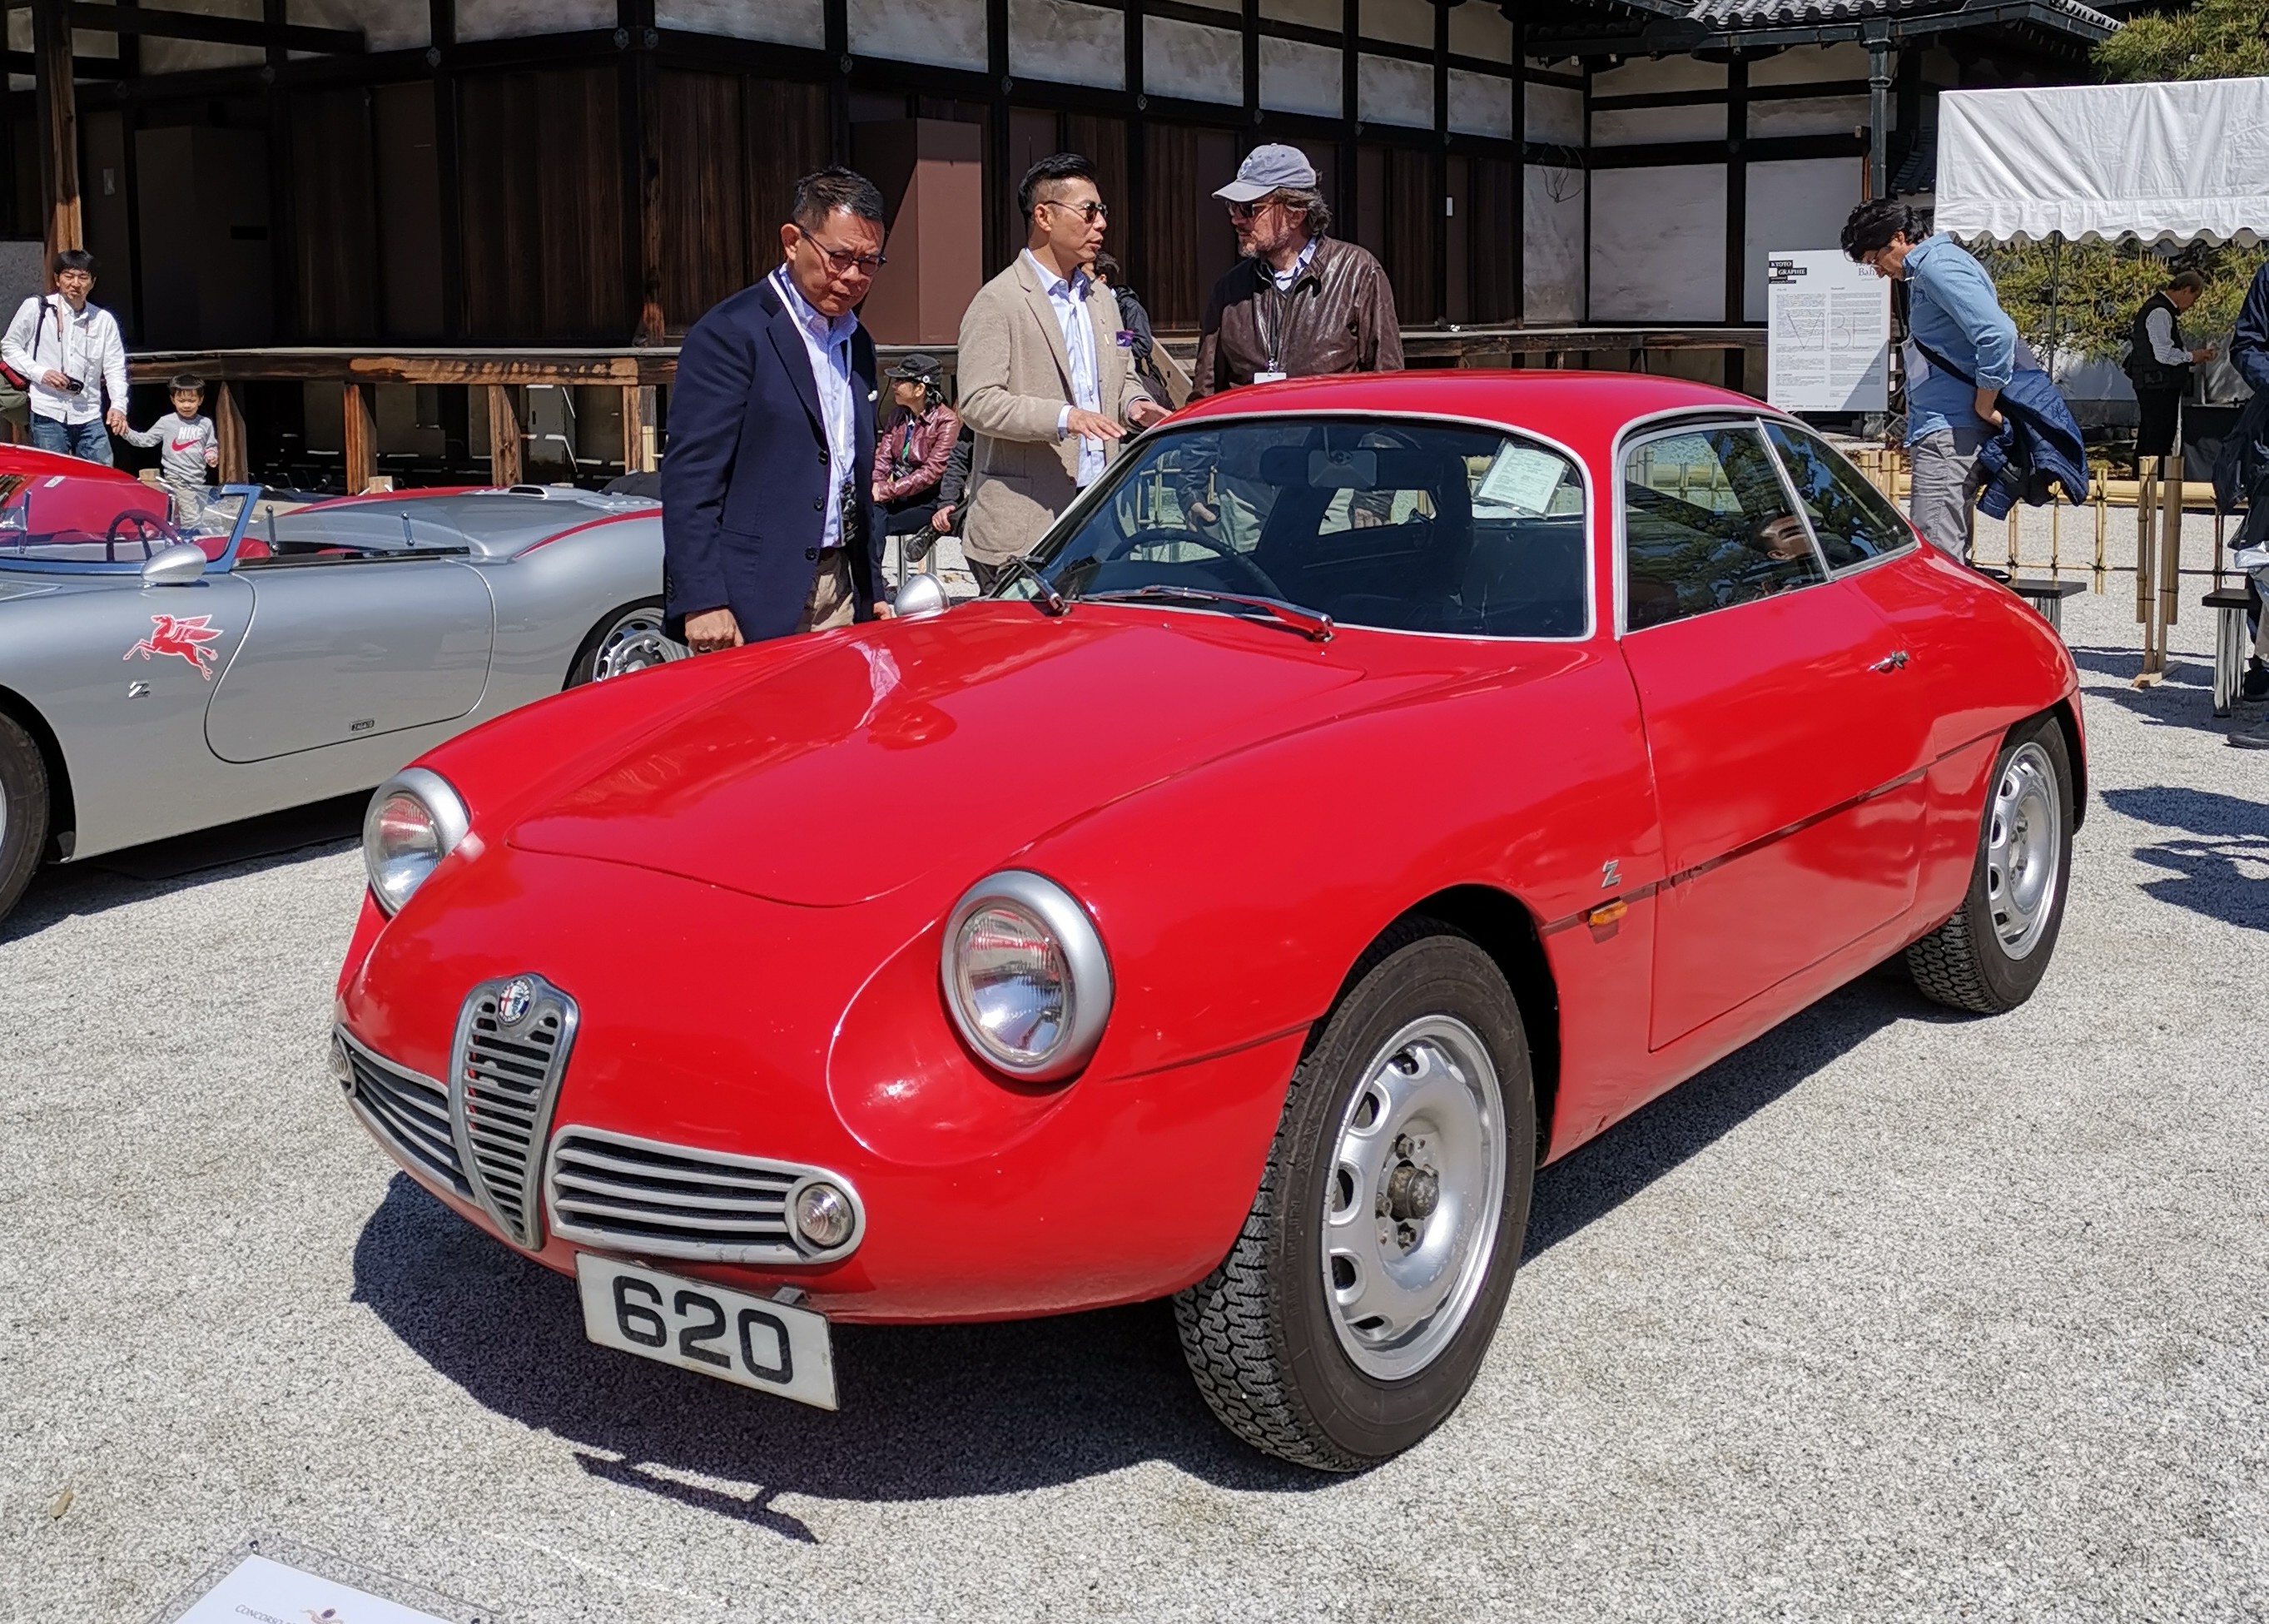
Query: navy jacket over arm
[[2240, 473], [744, 486]]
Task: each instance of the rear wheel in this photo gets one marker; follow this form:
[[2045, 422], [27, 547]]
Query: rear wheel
[[1351, 1314], [23, 811], [1989, 956], [632, 639]]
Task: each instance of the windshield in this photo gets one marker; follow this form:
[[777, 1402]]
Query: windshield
[[103, 519], [1404, 527]]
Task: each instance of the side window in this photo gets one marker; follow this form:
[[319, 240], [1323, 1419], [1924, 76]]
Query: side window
[[1707, 525], [1850, 516]]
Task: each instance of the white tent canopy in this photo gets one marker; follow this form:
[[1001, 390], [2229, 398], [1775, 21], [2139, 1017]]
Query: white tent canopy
[[2161, 162]]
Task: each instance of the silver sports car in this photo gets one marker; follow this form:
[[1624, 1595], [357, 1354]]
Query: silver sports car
[[156, 679]]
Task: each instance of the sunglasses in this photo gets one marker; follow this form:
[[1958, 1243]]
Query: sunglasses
[[1090, 211], [1252, 211], [843, 260]]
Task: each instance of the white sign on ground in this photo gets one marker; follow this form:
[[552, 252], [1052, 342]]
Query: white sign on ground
[[261, 1592], [1828, 334]]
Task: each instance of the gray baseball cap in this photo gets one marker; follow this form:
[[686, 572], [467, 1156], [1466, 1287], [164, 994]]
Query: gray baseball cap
[[1267, 169]]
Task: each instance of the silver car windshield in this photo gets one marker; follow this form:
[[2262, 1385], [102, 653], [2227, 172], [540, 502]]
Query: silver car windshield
[[100, 521]]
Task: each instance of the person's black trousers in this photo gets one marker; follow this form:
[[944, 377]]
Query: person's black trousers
[[2161, 409]]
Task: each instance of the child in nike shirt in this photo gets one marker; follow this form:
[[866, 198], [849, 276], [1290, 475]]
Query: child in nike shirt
[[191, 446]]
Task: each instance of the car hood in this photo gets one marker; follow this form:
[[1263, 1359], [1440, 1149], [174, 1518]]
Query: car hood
[[843, 773]]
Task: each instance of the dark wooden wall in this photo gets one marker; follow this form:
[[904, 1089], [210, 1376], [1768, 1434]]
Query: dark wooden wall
[[542, 181], [732, 147]]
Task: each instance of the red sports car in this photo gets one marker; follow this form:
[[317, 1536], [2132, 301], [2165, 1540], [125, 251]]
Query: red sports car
[[1373, 788]]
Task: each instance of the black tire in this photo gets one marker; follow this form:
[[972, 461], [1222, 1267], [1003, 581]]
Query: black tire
[[1263, 1339], [23, 811], [1970, 962], [587, 666]]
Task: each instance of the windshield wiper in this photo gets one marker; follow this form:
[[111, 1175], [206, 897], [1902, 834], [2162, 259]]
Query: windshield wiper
[[1052, 601], [1308, 622]]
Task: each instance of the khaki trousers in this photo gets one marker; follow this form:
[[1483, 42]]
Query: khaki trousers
[[831, 604]]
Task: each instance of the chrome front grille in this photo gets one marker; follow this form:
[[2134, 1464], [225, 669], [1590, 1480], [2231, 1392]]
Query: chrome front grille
[[645, 1197], [513, 1042], [409, 1113]]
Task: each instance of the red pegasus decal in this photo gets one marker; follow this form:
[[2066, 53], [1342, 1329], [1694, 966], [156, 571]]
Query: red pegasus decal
[[185, 637]]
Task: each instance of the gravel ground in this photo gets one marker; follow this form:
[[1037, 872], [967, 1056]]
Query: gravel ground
[[1893, 1314]]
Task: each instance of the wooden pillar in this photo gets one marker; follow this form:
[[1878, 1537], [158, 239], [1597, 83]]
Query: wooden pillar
[[57, 100], [639, 413], [228, 428], [360, 440], [504, 436]]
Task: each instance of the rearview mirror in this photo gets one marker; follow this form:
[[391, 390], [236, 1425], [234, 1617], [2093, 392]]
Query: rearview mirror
[[922, 597], [181, 565]]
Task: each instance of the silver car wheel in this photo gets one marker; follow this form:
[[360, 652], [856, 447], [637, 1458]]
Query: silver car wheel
[[2024, 849], [634, 643], [1416, 1191]]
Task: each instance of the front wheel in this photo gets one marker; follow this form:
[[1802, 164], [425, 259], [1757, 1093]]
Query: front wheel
[[1989, 956], [1350, 1317], [631, 640]]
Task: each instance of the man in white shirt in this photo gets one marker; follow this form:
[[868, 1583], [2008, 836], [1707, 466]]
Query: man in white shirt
[[1046, 388], [69, 350]]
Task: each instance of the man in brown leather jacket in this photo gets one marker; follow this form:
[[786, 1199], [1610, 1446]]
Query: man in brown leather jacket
[[1299, 303]]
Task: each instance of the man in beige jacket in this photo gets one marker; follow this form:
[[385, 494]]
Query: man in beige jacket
[[1046, 386]]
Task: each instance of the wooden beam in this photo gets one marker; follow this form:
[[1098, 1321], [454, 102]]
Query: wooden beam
[[360, 440], [163, 24], [56, 95], [504, 436], [228, 429]]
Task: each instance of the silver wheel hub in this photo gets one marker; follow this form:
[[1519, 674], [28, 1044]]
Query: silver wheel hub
[[633, 643], [1412, 1203], [2024, 849]]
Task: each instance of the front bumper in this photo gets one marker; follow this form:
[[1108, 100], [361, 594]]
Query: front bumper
[[976, 1198]]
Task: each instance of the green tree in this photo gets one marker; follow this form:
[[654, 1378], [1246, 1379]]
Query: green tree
[[2213, 40]]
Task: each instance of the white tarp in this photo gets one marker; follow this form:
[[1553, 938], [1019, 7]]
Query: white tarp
[[2156, 161]]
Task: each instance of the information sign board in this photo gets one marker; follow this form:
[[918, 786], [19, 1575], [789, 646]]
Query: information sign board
[[1829, 333]]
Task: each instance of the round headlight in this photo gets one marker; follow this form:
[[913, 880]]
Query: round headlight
[[415, 820], [1026, 977]]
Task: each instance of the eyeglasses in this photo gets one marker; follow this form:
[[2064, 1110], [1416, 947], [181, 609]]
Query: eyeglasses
[[1252, 211], [1091, 210], [843, 260]]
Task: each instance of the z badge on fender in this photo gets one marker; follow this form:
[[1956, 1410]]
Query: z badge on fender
[[185, 639]]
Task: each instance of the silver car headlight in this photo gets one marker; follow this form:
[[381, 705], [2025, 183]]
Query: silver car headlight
[[415, 820], [1026, 976]]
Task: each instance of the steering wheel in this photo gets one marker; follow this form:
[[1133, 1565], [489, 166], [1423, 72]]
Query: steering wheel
[[130, 527], [1239, 565]]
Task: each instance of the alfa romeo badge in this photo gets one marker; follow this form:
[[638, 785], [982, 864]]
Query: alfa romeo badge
[[513, 1002]]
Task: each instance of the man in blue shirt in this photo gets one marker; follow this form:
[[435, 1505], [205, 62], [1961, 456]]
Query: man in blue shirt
[[1953, 310]]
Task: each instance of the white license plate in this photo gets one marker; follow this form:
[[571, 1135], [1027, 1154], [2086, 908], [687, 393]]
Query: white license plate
[[698, 1326]]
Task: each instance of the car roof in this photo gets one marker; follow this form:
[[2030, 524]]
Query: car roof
[[1564, 405]]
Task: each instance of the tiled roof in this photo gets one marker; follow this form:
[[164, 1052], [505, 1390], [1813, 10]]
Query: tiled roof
[[1800, 13]]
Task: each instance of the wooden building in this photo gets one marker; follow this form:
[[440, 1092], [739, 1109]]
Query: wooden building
[[406, 175]]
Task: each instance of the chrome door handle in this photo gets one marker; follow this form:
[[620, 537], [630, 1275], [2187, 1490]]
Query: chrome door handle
[[1895, 660]]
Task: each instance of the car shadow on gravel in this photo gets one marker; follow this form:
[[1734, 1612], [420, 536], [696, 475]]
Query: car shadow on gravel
[[936, 1412], [137, 874], [1653, 1141], [928, 1412]]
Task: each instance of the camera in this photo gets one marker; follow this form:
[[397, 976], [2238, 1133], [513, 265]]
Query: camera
[[78, 385]]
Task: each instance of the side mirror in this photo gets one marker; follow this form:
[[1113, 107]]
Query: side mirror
[[922, 597], [181, 565]]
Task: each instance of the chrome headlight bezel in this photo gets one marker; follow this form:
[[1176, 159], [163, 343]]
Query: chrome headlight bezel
[[1088, 990], [445, 813]]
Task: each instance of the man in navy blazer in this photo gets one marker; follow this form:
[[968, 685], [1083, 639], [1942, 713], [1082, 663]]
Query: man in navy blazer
[[768, 519]]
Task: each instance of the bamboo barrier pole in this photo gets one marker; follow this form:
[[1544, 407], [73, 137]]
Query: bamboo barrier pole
[[2103, 514], [2144, 512], [2170, 553]]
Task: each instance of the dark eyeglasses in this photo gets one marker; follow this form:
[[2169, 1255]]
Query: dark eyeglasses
[[1091, 210], [843, 260], [1250, 210]]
